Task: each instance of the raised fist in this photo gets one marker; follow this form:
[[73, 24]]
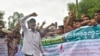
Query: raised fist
[[43, 22], [52, 24], [33, 14]]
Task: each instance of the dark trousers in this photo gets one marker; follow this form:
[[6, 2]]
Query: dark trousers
[[28, 55]]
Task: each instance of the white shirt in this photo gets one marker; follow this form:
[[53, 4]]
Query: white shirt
[[32, 41]]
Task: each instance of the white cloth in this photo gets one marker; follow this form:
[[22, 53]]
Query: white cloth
[[32, 41]]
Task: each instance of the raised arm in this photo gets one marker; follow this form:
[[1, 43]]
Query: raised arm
[[22, 22], [69, 22], [43, 23], [70, 19], [52, 24]]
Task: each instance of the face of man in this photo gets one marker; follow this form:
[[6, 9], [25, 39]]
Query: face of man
[[85, 18], [32, 25], [97, 17], [76, 25], [10, 35]]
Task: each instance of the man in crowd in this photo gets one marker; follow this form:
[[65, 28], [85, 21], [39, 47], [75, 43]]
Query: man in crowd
[[59, 31], [92, 22], [32, 41], [2, 34], [97, 16]]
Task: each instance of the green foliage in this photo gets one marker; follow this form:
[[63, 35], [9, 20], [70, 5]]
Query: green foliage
[[2, 23], [87, 7], [14, 19], [1, 17], [1, 14], [65, 18], [71, 7]]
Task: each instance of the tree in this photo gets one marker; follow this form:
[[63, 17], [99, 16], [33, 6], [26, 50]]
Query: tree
[[1, 17], [71, 7], [85, 7], [12, 20]]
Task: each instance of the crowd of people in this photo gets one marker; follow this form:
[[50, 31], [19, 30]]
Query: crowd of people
[[12, 38], [33, 34]]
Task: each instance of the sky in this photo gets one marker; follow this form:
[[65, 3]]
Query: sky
[[47, 10]]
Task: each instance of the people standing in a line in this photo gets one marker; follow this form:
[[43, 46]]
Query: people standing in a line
[[32, 41]]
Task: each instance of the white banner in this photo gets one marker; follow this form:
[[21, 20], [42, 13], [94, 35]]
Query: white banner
[[79, 48], [82, 48], [84, 41]]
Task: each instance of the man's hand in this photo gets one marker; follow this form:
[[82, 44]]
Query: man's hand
[[33, 14], [52, 24], [71, 14], [92, 23], [43, 22]]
